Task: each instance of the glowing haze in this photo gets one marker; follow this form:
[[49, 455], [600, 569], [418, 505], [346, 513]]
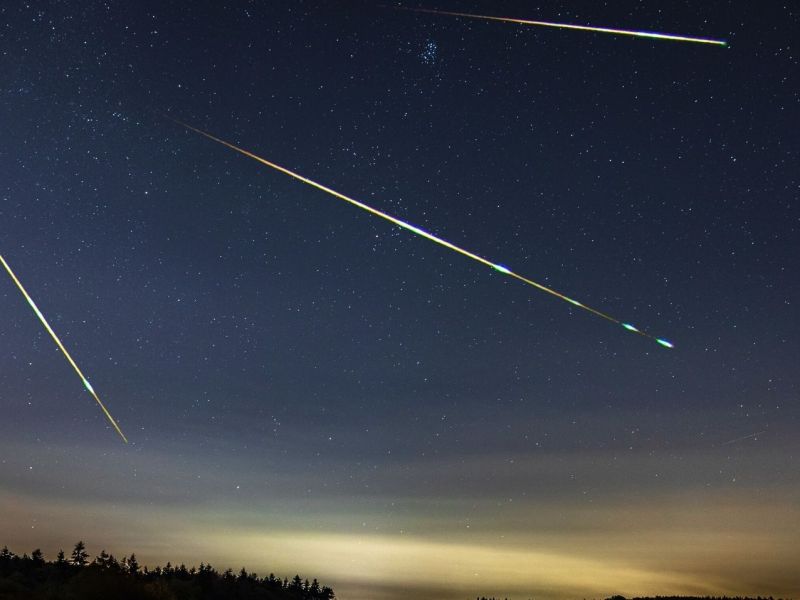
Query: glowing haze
[[618, 538]]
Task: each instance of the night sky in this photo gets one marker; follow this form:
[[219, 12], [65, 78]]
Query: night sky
[[307, 388]]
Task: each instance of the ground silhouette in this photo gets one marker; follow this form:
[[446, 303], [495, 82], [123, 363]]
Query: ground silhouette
[[78, 578]]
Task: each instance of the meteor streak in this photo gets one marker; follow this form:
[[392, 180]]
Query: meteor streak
[[420, 232], [744, 437], [644, 34], [52, 333]]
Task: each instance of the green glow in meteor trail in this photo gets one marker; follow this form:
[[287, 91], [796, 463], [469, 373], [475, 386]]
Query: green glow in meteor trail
[[420, 232], [52, 333], [644, 34]]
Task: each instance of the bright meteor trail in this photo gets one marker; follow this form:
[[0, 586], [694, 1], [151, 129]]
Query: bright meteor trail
[[497, 267], [52, 333], [645, 34]]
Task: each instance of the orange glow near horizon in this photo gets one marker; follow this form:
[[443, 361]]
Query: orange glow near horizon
[[677, 545]]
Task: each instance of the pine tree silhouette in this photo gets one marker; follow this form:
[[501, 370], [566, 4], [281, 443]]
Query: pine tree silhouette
[[79, 555]]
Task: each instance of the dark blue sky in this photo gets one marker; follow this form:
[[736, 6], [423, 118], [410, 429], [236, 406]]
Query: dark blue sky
[[300, 380]]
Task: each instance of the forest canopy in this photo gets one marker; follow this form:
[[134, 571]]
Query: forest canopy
[[77, 577]]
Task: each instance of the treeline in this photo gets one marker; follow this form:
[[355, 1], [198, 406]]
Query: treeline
[[78, 578]]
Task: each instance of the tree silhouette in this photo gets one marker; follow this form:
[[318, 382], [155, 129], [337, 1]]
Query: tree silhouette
[[101, 560], [34, 578], [79, 554], [37, 558], [133, 565]]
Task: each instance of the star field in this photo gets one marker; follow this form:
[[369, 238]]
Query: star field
[[307, 388]]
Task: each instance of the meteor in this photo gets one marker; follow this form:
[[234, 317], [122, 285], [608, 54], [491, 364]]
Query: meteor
[[422, 233], [644, 34], [52, 333], [744, 437]]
